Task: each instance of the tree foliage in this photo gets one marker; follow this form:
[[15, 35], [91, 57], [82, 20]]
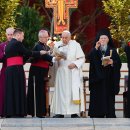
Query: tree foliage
[[7, 17], [119, 12], [29, 19]]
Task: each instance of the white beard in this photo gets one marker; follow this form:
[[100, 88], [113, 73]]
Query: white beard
[[103, 47]]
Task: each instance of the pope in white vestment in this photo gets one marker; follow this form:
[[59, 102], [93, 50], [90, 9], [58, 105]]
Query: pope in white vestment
[[68, 94]]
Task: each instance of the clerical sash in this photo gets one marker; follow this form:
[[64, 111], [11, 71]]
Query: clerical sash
[[76, 86]]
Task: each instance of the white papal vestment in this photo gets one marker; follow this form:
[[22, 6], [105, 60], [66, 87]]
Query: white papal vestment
[[69, 82]]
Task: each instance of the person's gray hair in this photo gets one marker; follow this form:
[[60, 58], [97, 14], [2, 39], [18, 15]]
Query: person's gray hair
[[41, 32], [66, 31], [10, 30]]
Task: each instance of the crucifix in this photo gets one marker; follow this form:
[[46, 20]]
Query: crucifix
[[61, 13]]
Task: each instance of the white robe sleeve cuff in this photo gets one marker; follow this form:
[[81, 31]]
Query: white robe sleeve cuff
[[79, 62]]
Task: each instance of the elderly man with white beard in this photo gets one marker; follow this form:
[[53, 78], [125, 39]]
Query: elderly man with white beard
[[104, 76]]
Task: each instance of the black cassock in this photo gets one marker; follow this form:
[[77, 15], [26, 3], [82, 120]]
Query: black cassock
[[127, 50], [103, 83], [15, 94], [40, 73]]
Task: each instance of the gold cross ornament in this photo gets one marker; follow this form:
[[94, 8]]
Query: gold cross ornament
[[61, 13]]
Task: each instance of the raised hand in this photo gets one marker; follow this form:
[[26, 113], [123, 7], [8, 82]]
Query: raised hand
[[97, 45]]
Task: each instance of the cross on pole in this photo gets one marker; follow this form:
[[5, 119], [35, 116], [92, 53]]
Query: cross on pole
[[61, 13]]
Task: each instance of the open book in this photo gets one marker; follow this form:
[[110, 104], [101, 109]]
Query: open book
[[58, 53], [105, 60]]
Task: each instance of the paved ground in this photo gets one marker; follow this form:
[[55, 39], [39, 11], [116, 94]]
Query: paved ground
[[65, 124]]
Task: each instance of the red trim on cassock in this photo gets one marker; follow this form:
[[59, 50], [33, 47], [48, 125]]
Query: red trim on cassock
[[17, 60], [41, 63]]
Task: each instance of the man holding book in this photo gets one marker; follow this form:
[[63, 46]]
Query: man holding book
[[104, 76], [68, 94]]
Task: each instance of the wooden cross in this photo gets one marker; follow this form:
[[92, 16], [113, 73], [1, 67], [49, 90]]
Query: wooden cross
[[61, 13]]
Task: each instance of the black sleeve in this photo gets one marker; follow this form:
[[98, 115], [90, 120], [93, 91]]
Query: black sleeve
[[27, 52], [127, 51], [45, 57], [34, 59], [2, 56], [95, 70], [116, 59], [116, 69]]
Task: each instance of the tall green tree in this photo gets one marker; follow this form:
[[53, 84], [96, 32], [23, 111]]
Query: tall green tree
[[29, 19], [119, 12], [7, 15]]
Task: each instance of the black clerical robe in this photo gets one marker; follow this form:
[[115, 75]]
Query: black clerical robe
[[127, 51], [38, 70], [103, 83], [15, 94]]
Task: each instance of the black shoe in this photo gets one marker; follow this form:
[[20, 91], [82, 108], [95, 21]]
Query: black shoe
[[2, 116], [41, 116], [74, 116], [8, 116], [18, 116], [58, 116], [32, 115]]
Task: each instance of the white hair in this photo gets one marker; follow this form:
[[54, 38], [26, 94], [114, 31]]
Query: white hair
[[41, 32], [66, 31], [10, 30]]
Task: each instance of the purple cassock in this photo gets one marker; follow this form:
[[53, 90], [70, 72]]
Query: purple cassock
[[2, 77]]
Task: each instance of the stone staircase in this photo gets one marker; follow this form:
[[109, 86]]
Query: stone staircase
[[65, 124]]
